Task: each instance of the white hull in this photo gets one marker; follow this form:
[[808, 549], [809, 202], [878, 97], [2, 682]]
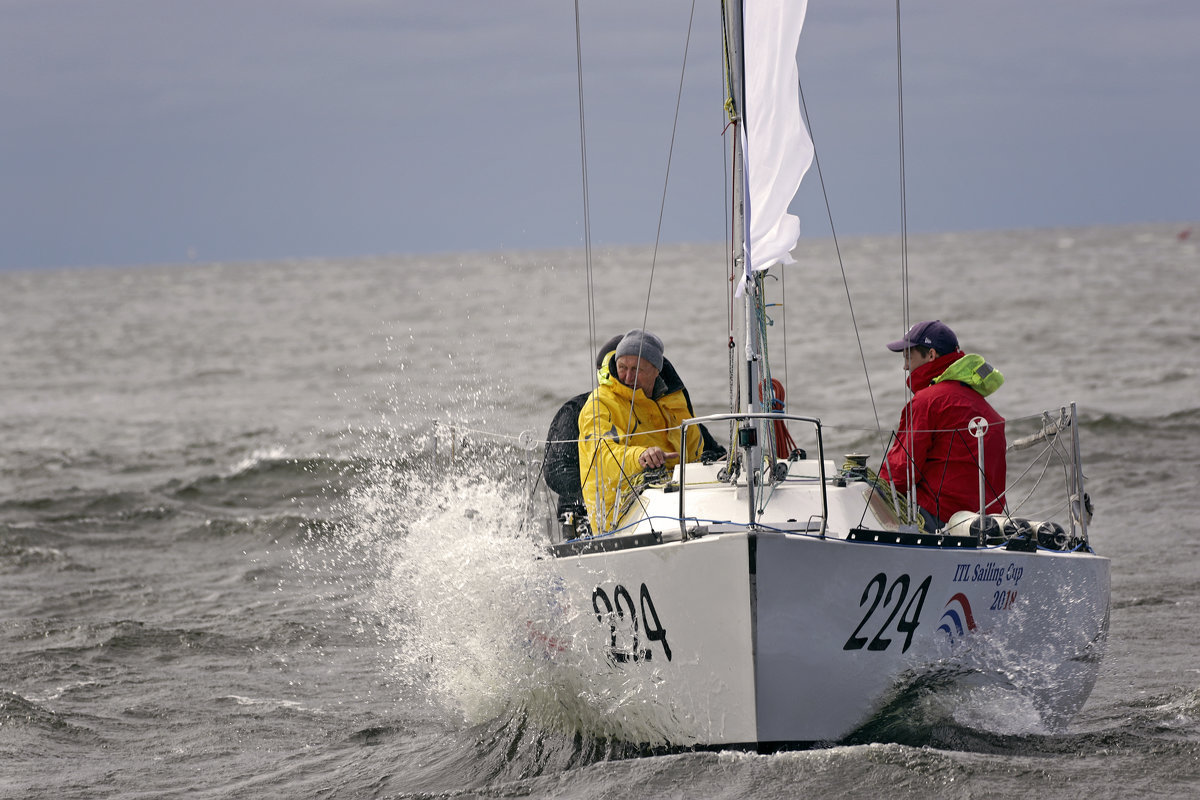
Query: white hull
[[750, 639], [764, 638]]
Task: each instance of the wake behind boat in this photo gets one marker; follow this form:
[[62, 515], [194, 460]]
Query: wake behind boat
[[776, 597]]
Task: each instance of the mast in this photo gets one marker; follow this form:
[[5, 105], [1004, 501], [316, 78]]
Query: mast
[[736, 75], [772, 151], [749, 435], [741, 210]]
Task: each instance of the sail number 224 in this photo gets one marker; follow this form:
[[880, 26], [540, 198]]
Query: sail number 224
[[620, 612], [902, 618]]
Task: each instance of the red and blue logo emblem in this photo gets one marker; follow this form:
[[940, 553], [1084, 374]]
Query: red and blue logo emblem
[[957, 620]]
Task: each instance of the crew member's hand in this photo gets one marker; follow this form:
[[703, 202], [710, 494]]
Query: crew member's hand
[[654, 457]]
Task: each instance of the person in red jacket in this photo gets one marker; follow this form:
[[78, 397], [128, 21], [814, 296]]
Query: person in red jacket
[[936, 449]]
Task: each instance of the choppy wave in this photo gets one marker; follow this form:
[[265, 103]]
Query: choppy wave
[[265, 496], [90, 505], [264, 482], [30, 725], [1185, 421], [111, 639], [933, 754], [18, 551], [205, 597]]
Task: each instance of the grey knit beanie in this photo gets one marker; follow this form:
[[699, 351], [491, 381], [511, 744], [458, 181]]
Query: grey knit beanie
[[644, 344]]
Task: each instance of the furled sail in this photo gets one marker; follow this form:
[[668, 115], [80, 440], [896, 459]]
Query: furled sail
[[778, 150]]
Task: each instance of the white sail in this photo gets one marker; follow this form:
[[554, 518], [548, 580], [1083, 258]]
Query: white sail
[[778, 150]]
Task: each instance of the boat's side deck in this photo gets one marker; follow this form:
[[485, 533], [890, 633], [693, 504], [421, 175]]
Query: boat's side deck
[[803, 504]]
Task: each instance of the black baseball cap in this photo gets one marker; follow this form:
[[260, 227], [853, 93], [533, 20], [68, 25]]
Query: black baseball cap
[[933, 333]]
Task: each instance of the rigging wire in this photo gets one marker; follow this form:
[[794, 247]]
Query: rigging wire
[[841, 266], [911, 467], [670, 152], [903, 180], [663, 203], [586, 203], [587, 223], [587, 214], [666, 182]]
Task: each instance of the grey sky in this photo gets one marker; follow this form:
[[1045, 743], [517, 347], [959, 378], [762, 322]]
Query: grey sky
[[154, 131]]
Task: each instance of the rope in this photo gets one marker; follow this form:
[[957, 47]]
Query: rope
[[731, 278], [730, 121], [898, 502]]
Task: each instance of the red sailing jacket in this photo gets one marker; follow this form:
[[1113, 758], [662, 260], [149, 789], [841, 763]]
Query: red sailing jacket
[[934, 435]]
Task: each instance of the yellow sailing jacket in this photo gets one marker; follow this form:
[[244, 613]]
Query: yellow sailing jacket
[[611, 440]]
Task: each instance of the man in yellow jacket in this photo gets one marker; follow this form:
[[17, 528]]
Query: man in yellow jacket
[[629, 423]]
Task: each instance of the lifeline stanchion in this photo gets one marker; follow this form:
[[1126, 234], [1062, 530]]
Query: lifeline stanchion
[[978, 428]]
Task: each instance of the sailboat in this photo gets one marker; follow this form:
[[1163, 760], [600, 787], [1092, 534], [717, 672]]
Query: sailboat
[[777, 598]]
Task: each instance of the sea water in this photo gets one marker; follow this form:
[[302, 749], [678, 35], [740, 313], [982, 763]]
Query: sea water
[[253, 542]]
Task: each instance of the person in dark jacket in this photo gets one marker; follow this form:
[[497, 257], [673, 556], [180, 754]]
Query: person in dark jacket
[[936, 449]]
